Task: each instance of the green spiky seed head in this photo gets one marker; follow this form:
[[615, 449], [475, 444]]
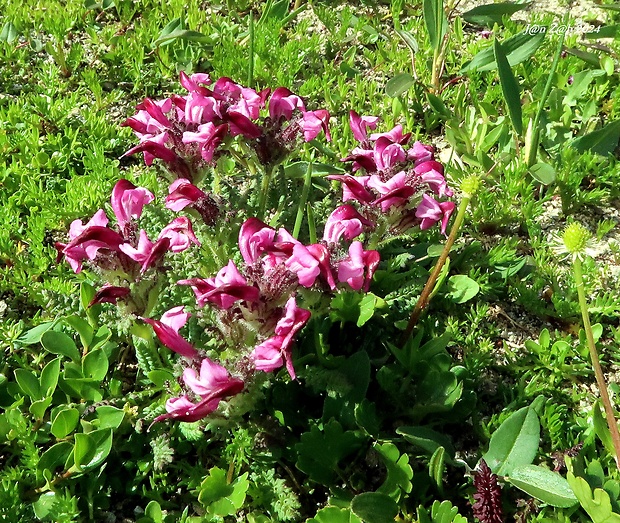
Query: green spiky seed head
[[575, 238], [470, 185]]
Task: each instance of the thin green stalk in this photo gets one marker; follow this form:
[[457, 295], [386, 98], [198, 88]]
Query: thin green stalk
[[251, 50], [432, 280], [304, 198], [264, 191], [311, 224], [596, 365]]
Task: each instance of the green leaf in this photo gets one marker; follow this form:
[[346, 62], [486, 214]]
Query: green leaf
[[426, 438], [95, 365], [543, 484], [514, 443], [44, 506], [33, 335], [65, 422], [399, 472], [56, 456], [589, 58], [334, 515], [462, 288], [510, 87], [374, 507], [298, 170], [601, 429], [221, 498], [436, 467], [59, 343], [274, 10], [517, 49], [8, 33], [543, 173], [320, 451], [602, 141], [38, 408], [109, 417], [399, 84], [370, 302], [490, 14], [606, 31], [91, 449], [82, 327], [409, 40], [597, 504], [49, 377], [435, 21], [29, 384], [153, 511]]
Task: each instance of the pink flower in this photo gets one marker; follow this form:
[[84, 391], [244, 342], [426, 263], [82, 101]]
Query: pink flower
[[362, 158], [430, 212], [183, 409], [344, 221], [214, 380], [314, 122], [359, 125], [388, 154], [419, 153], [167, 331], [276, 351], [224, 290], [255, 237], [354, 187], [109, 294], [394, 136], [147, 253], [182, 193], [358, 269], [195, 82], [199, 109], [309, 262], [128, 201], [208, 138], [150, 119], [394, 192], [431, 173], [88, 243], [282, 104], [180, 234]]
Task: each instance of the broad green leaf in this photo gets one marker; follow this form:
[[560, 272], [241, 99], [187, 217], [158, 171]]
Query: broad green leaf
[[490, 14], [399, 84], [56, 456], [409, 40], [8, 33], [61, 344], [602, 141], [601, 429], [514, 443], [370, 302], [65, 422], [274, 10], [221, 498], [426, 438], [543, 484], [49, 377], [334, 515], [91, 449], [597, 504], [33, 335], [44, 506], [510, 87], [374, 507], [367, 418], [587, 57], [611, 7], [181, 34], [29, 384], [462, 288], [87, 293], [38, 408], [517, 49], [399, 472], [109, 417], [82, 327], [153, 511], [606, 31], [543, 173], [607, 64], [160, 376], [95, 365], [435, 21]]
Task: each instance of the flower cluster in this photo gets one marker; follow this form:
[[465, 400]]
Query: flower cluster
[[185, 132], [263, 295], [399, 183], [123, 253]]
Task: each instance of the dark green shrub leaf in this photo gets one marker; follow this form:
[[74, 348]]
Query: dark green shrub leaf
[[399, 84], [374, 507], [65, 422], [543, 484], [517, 49], [490, 14], [426, 438], [221, 498], [510, 87], [334, 515], [95, 365], [49, 377], [29, 384], [56, 456], [514, 443], [462, 288], [109, 417], [59, 343], [91, 449]]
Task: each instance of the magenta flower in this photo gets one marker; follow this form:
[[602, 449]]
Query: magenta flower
[[195, 82], [208, 138], [88, 243], [420, 153], [109, 294], [360, 124], [314, 122], [431, 173], [182, 193], [150, 119], [213, 380], [282, 104], [308, 262], [354, 187], [146, 253], [431, 211], [394, 192], [183, 409], [255, 237], [179, 233], [227, 288], [198, 109], [358, 269], [344, 221], [394, 136], [127, 203], [167, 331]]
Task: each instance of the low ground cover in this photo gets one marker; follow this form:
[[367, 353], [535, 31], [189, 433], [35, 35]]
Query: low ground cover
[[311, 261]]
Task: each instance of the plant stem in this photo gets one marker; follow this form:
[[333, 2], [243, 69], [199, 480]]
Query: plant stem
[[596, 365], [264, 190], [302, 204], [430, 284]]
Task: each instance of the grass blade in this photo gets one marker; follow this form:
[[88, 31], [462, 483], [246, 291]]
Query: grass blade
[[517, 48], [510, 87]]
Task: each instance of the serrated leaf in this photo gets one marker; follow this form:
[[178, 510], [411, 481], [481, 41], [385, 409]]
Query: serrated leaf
[[334, 515], [61, 344], [543, 173], [603, 141], [65, 422], [399, 472], [517, 49], [374, 507], [221, 498], [543, 484], [510, 87], [597, 504], [514, 443], [490, 14], [399, 84]]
